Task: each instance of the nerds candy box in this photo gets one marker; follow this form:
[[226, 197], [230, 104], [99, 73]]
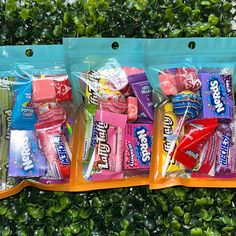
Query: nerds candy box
[[217, 96], [138, 146], [25, 157]]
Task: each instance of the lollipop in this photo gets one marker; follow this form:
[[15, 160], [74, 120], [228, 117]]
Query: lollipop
[[186, 105]]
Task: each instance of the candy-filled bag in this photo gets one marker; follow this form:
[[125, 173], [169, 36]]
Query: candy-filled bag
[[114, 125], [37, 119], [194, 131]]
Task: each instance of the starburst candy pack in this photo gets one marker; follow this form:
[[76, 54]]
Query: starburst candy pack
[[115, 124], [36, 119], [194, 142]]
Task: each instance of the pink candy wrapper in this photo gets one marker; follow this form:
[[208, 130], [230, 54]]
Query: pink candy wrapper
[[138, 146], [109, 131], [173, 81], [55, 148]]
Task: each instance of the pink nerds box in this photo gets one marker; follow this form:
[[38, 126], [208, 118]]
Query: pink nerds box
[[138, 146]]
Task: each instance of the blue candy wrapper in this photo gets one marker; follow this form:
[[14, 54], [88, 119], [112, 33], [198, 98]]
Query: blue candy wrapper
[[23, 114]]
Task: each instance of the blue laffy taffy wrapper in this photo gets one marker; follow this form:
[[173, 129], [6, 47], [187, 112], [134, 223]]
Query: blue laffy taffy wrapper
[[187, 103], [23, 113]]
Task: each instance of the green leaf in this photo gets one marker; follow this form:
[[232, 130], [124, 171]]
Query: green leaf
[[6, 231], [196, 232], [64, 201], [36, 213], [206, 3], [24, 14], [67, 231], [75, 228], [39, 232], [3, 209], [41, 2], [84, 213], [66, 17]]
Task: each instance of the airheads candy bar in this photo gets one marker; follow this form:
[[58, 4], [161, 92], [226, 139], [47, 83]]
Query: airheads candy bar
[[138, 146], [109, 133], [25, 157], [196, 134], [55, 148], [142, 90], [225, 163], [217, 96]]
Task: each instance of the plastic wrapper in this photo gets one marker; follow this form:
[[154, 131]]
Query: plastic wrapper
[[117, 114], [195, 144], [36, 119]]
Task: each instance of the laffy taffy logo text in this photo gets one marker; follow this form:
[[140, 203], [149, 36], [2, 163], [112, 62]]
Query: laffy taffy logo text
[[103, 148]]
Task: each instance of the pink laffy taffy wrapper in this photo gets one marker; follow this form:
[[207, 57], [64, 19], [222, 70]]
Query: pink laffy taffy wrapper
[[108, 154], [113, 102]]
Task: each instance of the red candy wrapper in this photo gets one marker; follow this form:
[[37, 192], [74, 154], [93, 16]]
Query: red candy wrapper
[[207, 160], [63, 88], [197, 133], [55, 149]]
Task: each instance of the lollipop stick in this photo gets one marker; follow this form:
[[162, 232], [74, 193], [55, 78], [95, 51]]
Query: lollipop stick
[[172, 144]]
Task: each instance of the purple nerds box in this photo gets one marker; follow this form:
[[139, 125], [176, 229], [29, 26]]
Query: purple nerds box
[[217, 96], [25, 157]]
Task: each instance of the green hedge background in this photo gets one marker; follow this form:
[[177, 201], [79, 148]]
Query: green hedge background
[[127, 211]]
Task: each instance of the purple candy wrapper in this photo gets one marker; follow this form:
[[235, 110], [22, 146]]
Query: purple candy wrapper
[[142, 90], [217, 96], [225, 162], [25, 157]]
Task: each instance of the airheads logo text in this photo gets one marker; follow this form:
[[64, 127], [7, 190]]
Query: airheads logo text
[[143, 145], [217, 95], [167, 131], [61, 150]]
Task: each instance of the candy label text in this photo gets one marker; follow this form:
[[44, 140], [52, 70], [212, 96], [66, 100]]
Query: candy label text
[[144, 144], [93, 86], [224, 150], [25, 154], [61, 150], [216, 96], [7, 114], [167, 131], [103, 148]]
